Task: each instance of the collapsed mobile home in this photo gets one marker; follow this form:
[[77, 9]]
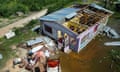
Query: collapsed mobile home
[[74, 27]]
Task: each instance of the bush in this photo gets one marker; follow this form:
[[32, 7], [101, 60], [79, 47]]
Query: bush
[[22, 8], [115, 56], [9, 7]]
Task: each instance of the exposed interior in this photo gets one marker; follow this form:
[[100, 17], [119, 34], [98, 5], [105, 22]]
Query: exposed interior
[[86, 17]]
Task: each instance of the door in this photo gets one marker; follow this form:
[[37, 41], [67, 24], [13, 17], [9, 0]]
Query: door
[[60, 39], [66, 43]]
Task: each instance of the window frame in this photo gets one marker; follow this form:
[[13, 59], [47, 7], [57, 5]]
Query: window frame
[[48, 29]]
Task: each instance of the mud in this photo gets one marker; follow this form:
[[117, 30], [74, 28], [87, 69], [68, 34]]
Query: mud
[[89, 59], [93, 58]]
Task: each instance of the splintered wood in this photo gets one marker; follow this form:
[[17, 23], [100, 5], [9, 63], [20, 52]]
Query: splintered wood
[[86, 17]]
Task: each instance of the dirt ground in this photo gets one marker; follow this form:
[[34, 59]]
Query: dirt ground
[[21, 22], [87, 60], [9, 65], [91, 58]]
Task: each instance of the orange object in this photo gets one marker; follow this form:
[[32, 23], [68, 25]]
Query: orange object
[[53, 63]]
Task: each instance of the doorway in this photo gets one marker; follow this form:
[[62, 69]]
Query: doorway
[[66, 42], [60, 39], [63, 41]]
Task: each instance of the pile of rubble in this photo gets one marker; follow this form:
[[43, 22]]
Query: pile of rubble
[[41, 57], [110, 32]]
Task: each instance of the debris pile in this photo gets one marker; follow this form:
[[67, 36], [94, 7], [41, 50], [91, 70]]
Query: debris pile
[[41, 56], [110, 32]]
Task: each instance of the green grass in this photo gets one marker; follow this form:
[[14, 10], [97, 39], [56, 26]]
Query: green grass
[[22, 36], [5, 48]]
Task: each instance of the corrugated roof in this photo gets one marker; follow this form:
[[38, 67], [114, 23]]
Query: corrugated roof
[[33, 42], [100, 8], [59, 15]]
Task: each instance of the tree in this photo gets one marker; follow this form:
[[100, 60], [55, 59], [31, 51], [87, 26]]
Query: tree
[[22, 8]]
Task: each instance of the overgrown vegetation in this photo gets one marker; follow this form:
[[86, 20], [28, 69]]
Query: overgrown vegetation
[[10, 7], [22, 34], [115, 57]]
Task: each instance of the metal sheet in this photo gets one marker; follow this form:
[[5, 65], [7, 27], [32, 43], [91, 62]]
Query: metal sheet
[[60, 14]]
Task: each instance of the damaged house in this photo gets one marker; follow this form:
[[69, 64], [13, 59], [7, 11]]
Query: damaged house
[[74, 27]]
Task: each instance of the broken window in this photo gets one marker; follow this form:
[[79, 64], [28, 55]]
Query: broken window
[[48, 29]]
